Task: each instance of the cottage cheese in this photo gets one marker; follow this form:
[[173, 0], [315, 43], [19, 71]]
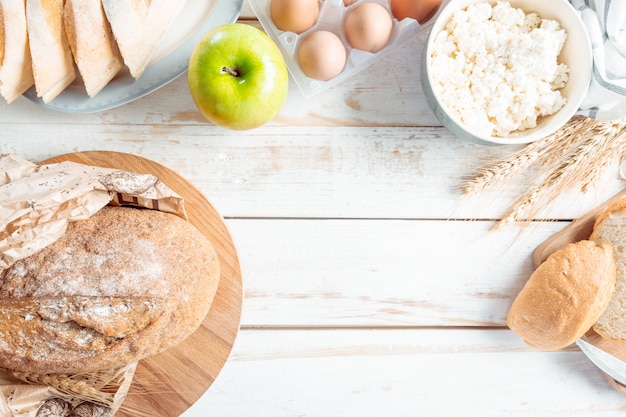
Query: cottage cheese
[[496, 67]]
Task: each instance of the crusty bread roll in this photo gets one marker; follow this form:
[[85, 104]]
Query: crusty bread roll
[[16, 73], [93, 46], [610, 226], [564, 296], [122, 285], [53, 65]]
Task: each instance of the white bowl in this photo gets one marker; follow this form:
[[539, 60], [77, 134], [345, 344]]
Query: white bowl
[[576, 54]]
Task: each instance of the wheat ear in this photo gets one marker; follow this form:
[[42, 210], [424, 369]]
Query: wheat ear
[[615, 150], [581, 165], [541, 150], [67, 384], [567, 139]]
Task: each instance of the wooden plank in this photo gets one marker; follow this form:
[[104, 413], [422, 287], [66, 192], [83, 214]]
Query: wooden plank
[[323, 273], [404, 373], [335, 172]]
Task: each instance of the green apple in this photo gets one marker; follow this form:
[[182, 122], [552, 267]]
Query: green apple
[[237, 76]]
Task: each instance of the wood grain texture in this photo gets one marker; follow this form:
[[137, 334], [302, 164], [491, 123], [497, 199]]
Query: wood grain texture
[[414, 372], [372, 273], [315, 172], [167, 384]]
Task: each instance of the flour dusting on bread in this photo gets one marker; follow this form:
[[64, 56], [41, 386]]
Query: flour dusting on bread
[[53, 66], [564, 296], [94, 49], [124, 284]]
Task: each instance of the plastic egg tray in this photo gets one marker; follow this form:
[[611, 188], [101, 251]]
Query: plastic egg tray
[[331, 18]]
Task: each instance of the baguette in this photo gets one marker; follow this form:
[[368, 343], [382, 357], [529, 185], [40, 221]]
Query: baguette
[[122, 285], [139, 26], [16, 73], [53, 65], [564, 296], [610, 227], [92, 44]]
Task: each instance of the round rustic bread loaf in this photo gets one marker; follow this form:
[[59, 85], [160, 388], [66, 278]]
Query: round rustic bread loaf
[[122, 285], [564, 296]]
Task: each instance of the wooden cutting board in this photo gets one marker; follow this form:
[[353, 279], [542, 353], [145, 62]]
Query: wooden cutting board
[[581, 229], [167, 384]]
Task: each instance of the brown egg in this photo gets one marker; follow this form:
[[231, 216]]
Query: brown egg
[[420, 10], [348, 2], [368, 27], [294, 15], [322, 55]]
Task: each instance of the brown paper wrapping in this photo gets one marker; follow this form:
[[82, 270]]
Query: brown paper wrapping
[[38, 201]]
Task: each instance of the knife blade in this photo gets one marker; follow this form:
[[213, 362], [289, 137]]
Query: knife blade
[[609, 364]]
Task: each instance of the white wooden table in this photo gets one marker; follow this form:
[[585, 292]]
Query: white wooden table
[[372, 286]]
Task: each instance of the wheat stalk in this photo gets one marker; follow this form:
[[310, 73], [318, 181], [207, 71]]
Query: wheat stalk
[[567, 139], [601, 143], [540, 151], [67, 385], [615, 150], [579, 152], [503, 169], [98, 387]]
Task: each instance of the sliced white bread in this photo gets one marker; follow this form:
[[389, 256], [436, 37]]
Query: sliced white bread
[[610, 227], [94, 49], [16, 73], [564, 296], [53, 65], [139, 26]]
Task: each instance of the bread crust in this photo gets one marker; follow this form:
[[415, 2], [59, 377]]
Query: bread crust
[[53, 65], [612, 209], [92, 44], [564, 296], [120, 286], [16, 73], [138, 27]]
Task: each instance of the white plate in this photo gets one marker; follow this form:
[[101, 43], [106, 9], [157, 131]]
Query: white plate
[[170, 61]]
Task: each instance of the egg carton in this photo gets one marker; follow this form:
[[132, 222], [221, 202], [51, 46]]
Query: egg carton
[[331, 18]]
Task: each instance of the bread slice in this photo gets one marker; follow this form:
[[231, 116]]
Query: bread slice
[[122, 285], [564, 296], [610, 226], [93, 46], [139, 26], [16, 73], [53, 66]]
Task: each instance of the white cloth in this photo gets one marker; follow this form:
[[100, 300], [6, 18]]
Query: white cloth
[[606, 24]]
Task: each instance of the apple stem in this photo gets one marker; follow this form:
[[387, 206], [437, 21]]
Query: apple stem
[[232, 71]]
